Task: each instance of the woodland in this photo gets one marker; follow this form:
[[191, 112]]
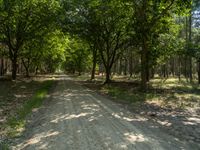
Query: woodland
[[114, 46], [135, 38]]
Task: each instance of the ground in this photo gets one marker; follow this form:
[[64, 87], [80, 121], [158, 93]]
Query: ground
[[75, 117]]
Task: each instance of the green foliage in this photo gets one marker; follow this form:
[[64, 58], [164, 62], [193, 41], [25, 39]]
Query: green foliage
[[167, 45], [77, 56]]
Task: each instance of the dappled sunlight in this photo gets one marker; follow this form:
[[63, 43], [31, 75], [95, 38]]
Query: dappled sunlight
[[133, 138], [165, 123], [20, 95], [37, 138], [129, 119], [134, 119], [192, 121], [78, 119], [73, 116]]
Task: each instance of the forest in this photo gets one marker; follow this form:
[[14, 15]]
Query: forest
[[132, 38], [109, 45]]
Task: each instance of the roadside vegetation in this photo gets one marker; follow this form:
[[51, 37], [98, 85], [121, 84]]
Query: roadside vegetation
[[19, 99], [165, 93]]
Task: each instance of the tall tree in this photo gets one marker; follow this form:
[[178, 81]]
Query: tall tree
[[22, 21], [148, 17], [103, 24]]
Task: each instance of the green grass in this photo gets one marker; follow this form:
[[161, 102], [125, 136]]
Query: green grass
[[170, 93], [124, 95], [17, 123]]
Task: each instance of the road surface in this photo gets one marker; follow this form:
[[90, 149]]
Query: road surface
[[75, 118]]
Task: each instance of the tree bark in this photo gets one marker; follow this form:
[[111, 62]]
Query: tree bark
[[190, 40], [26, 66], [94, 64], [144, 66], [125, 67], [108, 72], [2, 67], [199, 72], [14, 68]]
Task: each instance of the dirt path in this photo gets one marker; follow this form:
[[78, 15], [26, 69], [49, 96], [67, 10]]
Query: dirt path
[[79, 119]]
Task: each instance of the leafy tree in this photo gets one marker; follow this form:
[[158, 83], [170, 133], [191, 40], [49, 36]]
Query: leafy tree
[[148, 21], [77, 56], [23, 21], [103, 24]]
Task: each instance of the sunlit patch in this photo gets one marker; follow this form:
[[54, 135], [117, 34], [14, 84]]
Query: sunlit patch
[[131, 137], [23, 87], [165, 123], [195, 120], [67, 117], [91, 107], [116, 115], [123, 146], [189, 123], [131, 119], [20, 96], [37, 138], [73, 116]]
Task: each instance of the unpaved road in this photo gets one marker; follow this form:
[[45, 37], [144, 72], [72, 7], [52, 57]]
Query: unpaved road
[[76, 118]]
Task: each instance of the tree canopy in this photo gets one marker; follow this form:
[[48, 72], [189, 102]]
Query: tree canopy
[[113, 36]]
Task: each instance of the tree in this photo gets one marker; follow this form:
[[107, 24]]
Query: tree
[[77, 56], [23, 21], [148, 19], [103, 25]]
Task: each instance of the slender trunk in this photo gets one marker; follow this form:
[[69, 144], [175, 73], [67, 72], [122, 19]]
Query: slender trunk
[[179, 68], [131, 64], [185, 67], [125, 67], [108, 71], [94, 64], [199, 71], [2, 67], [36, 70], [14, 68], [173, 67], [144, 66], [120, 66], [190, 40], [152, 73], [26, 66]]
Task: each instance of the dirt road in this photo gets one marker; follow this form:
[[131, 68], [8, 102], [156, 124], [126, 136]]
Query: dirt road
[[76, 118]]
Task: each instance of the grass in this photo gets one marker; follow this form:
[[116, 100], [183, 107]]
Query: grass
[[170, 93], [122, 94], [17, 123]]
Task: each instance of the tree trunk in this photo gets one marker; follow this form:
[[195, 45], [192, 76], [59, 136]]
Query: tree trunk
[[26, 66], [2, 67], [14, 68], [108, 72], [125, 67], [131, 64], [199, 71], [190, 40], [36, 70], [179, 68], [94, 64], [144, 66]]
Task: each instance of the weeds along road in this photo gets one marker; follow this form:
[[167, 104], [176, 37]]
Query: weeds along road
[[75, 118]]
